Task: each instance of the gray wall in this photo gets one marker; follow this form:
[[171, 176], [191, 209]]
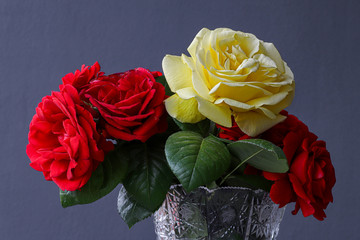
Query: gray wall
[[40, 41]]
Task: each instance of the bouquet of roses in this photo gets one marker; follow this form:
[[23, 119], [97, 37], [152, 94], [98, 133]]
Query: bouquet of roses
[[214, 119]]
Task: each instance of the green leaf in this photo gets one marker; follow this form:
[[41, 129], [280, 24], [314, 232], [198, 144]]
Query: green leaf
[[249, 181], [130, 211], [103, 180], [201, 127], [260, 154], [195, 160], [150, 178], [163, 82]]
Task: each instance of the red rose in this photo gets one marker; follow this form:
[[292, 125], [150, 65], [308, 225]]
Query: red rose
[[308, 182], [63, 141], [311, 176], [131, 104]]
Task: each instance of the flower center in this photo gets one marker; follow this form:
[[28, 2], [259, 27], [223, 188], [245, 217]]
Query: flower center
[[234, 56]]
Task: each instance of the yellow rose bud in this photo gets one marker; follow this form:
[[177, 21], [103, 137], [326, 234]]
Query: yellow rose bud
[[229, 73]]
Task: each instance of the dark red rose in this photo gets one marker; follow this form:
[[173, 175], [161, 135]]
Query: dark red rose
[[309, 181], [63, 141], [311, 176], [82, 77], [130, 103]]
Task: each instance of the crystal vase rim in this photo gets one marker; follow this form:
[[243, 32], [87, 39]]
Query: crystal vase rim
[[257, 191]]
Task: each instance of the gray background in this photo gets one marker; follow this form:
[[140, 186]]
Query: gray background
[[40, 41]]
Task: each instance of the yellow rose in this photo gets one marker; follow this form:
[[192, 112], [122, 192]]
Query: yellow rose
[[229, 73]]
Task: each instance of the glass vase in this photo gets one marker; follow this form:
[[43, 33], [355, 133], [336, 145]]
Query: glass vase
[[224, 213]]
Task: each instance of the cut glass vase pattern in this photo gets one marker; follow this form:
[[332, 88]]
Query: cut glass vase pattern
[[223, 213]]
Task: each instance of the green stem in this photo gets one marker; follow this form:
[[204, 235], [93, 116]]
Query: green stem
[[237, 167]]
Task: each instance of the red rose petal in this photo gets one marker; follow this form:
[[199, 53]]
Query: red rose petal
[[281, 192], [83, 166], [116, 133], [306, 208], [298, 187], [318, 172], [318, 188], [58, 168], [319, 214], [274, 176], [297, 208], [291, 143], [147, 100], [68, 184], [159, 97], [151, 122], [156, 74], [298, 166]]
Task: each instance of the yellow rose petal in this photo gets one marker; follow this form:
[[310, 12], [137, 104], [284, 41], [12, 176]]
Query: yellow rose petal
[[193, 45], [270, 50], [270, 100], [216, 76], [178, 75], [267, 112], [248, 43], [199, 82], [253, 123], [239, 91], [265, 61], [234, 105], [186, 93], [185, 111], [288, 72], [282, 104], [220, 114]]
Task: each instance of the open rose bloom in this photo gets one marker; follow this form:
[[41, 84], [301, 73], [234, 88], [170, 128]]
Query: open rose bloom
[[63, 141], [229, 73], [130, 103]]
